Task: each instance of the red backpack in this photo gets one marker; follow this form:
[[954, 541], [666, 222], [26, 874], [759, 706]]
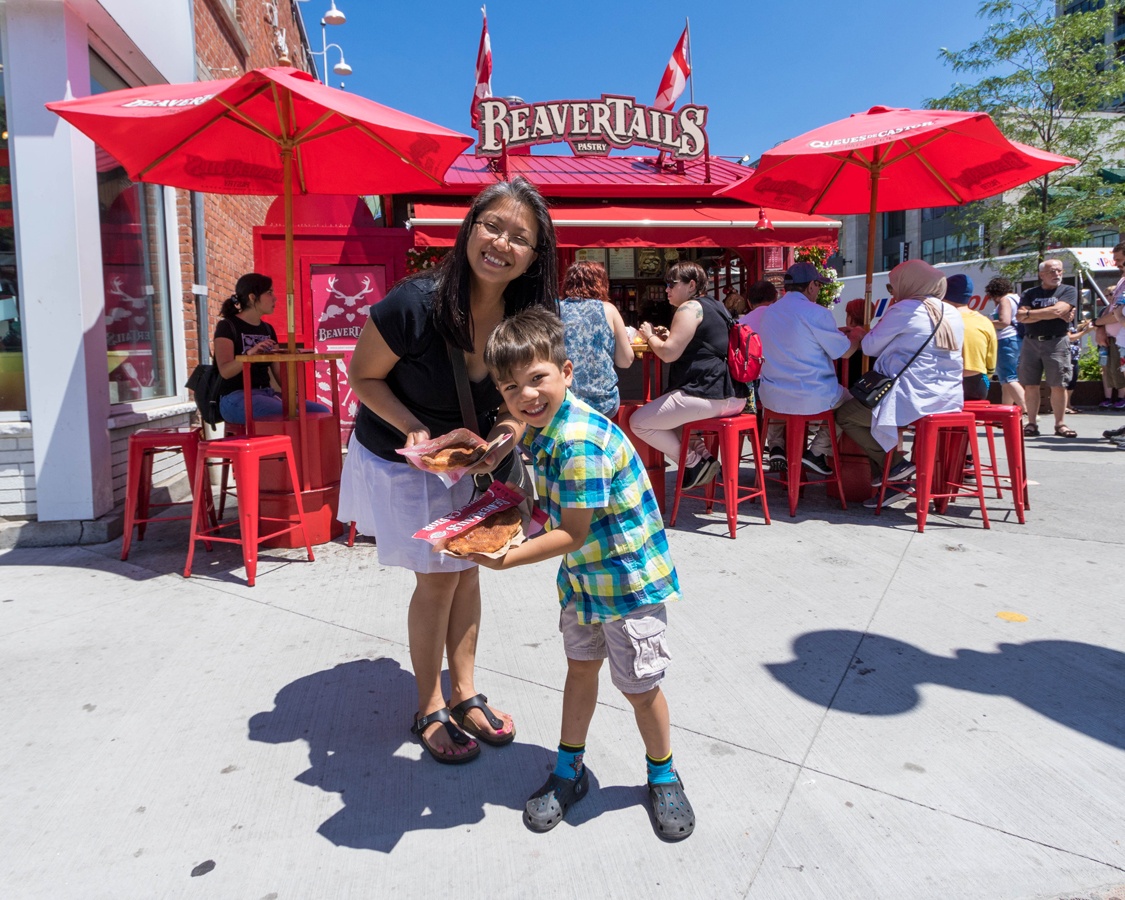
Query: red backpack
[[744, 353]]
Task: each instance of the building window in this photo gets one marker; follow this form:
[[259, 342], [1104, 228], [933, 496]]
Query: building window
[[13, 395], [138, 317]]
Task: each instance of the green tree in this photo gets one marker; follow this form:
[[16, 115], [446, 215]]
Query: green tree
[[1049, 80]]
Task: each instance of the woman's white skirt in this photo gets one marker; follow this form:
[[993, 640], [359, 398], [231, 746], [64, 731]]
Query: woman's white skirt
[[389, 501]]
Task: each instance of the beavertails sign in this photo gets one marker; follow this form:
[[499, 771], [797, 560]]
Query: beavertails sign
[[591, 127]]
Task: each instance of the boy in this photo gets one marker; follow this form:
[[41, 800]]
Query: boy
[[616, 572]]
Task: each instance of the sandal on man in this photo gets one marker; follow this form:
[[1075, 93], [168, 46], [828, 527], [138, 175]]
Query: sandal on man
[[547, 806], [421, 723], [467, 725], [672, 815], [1065, 431], [1031, 430]]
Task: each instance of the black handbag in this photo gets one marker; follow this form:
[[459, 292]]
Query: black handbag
[[871, 387], [206, 382], [512, 470]]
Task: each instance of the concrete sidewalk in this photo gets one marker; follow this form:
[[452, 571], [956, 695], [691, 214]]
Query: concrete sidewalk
[[859, 711]]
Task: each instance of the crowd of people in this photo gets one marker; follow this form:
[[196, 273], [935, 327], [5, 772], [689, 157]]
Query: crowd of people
[[484, 342]]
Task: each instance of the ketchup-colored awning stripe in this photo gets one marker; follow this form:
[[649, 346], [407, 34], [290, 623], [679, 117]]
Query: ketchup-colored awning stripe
[[682, 225]]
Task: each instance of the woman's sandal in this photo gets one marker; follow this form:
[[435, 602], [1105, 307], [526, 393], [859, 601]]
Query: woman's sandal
[[1030, 430], [672, 815], [1065, 431], [469, 727], [547, 806], [421, 723]]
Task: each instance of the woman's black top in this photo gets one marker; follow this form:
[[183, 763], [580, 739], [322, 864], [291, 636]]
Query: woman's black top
[[244, 336], [701, 370], [422, 379]]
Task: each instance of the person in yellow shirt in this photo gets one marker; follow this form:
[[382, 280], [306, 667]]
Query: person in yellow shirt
[[978, 353]]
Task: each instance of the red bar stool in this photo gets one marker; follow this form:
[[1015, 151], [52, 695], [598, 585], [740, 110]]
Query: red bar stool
[[1008, 419], [940, 442], [143, 446], [725, 434], [796, 433], [652, 459], [246, 455], [230, 429]]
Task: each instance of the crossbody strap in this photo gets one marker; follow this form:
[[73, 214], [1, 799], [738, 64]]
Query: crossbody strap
[[464, 394], [925, 343]]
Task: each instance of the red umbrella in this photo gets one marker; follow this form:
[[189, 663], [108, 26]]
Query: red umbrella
[[890, 159], [274, 131]]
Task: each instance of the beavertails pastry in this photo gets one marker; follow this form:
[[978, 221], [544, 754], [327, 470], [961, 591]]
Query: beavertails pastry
[[453, 456], [490, 535]]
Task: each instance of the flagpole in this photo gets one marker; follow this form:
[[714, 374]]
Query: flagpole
[[690, 62]]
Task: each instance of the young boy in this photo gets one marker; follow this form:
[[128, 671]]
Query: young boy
[[616, 572]]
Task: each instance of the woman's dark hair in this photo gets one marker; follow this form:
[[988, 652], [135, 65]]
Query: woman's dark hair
[[761, 292], [538, 286], [689, 271], [586, 279], [998, 287], [250, 283]]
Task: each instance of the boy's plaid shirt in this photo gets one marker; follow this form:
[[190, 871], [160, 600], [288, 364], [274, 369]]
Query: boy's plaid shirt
[[583, 460]]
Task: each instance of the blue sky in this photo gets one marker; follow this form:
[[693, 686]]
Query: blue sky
[[768, 71]]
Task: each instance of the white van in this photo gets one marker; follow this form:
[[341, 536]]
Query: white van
[[1090, 269]]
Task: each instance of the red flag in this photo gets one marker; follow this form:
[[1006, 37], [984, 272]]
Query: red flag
[[675, 76], [484, 71]]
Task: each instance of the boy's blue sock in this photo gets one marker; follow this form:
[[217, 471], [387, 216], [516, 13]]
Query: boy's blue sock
[[660, 771], [569, 762]]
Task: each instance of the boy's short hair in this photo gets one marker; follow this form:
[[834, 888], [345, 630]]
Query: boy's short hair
[[525, 338]]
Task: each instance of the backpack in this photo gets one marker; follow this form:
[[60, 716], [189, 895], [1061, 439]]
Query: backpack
[[744, 353], [206, 382]]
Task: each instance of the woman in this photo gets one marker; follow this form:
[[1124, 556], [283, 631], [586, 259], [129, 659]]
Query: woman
[[503, 261], [241, 331], [699, 382], [1002, 292], [596, 338], [930, 384]]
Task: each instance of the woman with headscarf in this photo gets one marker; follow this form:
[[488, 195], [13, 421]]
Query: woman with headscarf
[[930, 384]]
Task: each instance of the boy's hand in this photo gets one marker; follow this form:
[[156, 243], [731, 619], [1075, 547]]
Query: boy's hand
[[488, 562]]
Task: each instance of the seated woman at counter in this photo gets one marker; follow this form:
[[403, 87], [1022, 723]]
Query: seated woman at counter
[[699, 382], [241, 332], [596, 339]]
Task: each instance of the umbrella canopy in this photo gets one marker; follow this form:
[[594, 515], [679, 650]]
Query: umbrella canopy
[[272, 131], [889, 159]]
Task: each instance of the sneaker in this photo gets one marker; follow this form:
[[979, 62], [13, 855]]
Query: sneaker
[[1112, 433], [778, 463], [818, 462], [547, 806], [710, 472], [899, 472], [892, 497], [1106, 404], [1120, 404], [701, 473]]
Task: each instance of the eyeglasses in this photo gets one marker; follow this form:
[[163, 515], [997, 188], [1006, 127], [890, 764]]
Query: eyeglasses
[[493, 232], [672, 284]]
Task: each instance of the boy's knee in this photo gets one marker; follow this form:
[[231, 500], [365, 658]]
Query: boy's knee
[[584, 668], [644, 700]]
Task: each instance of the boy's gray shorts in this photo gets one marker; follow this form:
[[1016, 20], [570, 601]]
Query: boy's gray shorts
[[635, 645]]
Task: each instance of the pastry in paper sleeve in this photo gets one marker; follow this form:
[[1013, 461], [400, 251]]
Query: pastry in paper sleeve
[[452, 455], [499, 519]]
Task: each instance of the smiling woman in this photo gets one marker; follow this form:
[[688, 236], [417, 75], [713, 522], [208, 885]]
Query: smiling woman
[[503, 261]]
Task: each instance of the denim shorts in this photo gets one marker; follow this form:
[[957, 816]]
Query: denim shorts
[[1008, 359]]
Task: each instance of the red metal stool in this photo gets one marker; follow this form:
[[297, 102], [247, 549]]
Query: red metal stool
[[652, 459], [1008, 419], [246, 455], [725, 435], [143, 446], [796, 433], [940, 442]]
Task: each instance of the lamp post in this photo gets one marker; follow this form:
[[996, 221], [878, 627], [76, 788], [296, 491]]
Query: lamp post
[[332, 17]]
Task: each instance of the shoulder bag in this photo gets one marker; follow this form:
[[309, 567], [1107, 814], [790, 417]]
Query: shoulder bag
[[872, 386], [205, 382]]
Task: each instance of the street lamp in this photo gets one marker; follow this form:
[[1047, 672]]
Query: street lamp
[[332, 17]]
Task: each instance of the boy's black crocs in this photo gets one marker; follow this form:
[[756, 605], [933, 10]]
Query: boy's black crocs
[[547, 806], [672, 815]]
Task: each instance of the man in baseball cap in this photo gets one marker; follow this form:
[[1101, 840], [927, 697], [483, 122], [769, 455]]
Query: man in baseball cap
[[978, 353], [798, 369]]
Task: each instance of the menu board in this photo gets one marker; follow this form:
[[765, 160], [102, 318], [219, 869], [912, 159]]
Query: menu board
[[621, 262], [590, 254]]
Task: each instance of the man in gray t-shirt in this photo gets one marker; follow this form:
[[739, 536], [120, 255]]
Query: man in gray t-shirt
[[1045, 311]]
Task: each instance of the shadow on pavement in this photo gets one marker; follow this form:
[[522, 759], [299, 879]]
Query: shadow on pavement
[[355, 717], [1077, 685]]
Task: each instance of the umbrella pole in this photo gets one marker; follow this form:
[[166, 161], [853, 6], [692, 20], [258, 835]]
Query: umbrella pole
[[871, 216], [290, 309]]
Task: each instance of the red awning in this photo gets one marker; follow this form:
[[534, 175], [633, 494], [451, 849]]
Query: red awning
[[687, 225]]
